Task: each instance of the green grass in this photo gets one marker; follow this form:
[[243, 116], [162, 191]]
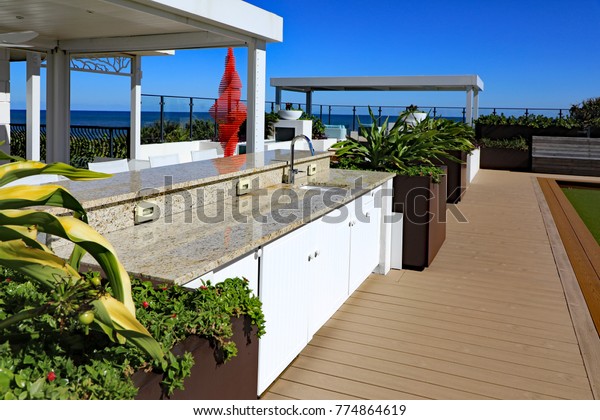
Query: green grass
[[587, 203]]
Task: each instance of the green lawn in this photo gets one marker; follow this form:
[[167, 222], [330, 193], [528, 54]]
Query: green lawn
[[587, 203]]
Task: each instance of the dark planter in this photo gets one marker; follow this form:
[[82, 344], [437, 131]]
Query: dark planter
[[505, 159], [423, 204], [211, 379], [457, 178]]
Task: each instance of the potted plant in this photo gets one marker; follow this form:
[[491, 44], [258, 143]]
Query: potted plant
[[413, 115], [290, 113], [511, 154], [419, 186], [63, 330]]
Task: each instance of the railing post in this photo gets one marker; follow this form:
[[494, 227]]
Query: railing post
[[111, 146], [494, 112], [321, 112], [216, 124], [560, 114], [526, 112], [191, 117], [379, 117], [353, 118], [464, 114], [434, 112], [162, 119], [127, 141], [329, 117]]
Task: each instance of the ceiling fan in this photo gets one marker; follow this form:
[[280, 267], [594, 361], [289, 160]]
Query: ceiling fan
[[16, 39]]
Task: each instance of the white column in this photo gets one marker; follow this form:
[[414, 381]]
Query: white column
[[469, 107], [135, 139], [255, 129], [5, 99], [32, 142], [58, 104], [475, 104]]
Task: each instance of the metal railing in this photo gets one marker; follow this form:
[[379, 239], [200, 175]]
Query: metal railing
[[86, 140]]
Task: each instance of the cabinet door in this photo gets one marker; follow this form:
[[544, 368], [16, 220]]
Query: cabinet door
[[244, 266], [285, 278], [365, 221], [329, 283]]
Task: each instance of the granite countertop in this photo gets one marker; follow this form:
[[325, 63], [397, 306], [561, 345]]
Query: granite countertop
[[194, 243], [132, 185]]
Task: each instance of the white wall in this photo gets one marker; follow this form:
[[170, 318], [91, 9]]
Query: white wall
[[183, 148], [473, 163]]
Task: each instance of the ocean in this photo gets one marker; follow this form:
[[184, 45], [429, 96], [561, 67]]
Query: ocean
[[121, 118]]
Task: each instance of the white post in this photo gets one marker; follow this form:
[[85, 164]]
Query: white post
[[32, 143], [255, 128], [475, 104], [58, 104], [469, 107], [135, 133], [5, 99]]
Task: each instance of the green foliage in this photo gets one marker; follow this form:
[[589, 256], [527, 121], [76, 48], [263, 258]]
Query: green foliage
[[405, 148], [86, 364], [318, 128], [530, 120], [587, 113], [517, 143], [176, 132]]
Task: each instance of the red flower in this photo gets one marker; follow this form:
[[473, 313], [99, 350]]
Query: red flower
[[8, 280], [174, 316], [203, 288], [145, 304], [51, 376]]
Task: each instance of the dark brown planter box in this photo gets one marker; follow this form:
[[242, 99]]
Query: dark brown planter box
[[423, 204], [505, 159], [211, 379], [457, 178]]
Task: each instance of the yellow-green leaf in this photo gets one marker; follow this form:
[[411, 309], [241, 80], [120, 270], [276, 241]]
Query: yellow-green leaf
[[114, 315], [84, 236], [21, 169], [40, 265]]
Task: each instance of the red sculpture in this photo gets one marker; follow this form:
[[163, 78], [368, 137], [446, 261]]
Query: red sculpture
[[228, 112]]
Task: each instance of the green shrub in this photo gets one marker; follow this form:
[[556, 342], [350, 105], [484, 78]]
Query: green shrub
[[517, 143], [587, 113], [530, 120], [42, 359]]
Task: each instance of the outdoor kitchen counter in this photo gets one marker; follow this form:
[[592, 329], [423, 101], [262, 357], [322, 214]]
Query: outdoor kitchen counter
[[186, 245]]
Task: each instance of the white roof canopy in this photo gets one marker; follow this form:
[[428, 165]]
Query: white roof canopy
[[127, 25], [378, 83], [60, 30], [471, 84]]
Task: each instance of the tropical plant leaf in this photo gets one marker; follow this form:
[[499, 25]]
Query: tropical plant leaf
[[112, 314], [20, 196], [83, 235], [40, 265], [21, 169], [27, 234]]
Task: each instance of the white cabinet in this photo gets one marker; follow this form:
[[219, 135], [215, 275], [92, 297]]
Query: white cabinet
[[245, 266], [364, 222], [285, 280], [306, 275], [329, 270]]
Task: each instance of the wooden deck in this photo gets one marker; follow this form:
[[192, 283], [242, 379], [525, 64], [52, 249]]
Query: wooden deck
[[488, 320]]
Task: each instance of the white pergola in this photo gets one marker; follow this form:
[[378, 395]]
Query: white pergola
[[471, 84], [90, 28]]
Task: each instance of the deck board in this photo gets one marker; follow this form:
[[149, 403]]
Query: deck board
[[487, 320]]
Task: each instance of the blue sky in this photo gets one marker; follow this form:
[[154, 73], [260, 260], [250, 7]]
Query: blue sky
[[529, 53]]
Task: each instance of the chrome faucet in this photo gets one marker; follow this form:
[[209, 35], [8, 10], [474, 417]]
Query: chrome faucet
[[293, 172]]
